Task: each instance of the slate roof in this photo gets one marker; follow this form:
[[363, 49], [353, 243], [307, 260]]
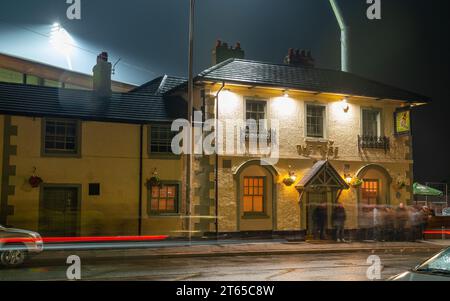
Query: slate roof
[[28, 100], [160, 85], [308, 79], [318, 167]]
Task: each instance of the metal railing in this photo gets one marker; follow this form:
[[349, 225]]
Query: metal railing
[[373, 142]]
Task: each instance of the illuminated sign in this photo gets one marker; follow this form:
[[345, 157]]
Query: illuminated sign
[[402, 122]]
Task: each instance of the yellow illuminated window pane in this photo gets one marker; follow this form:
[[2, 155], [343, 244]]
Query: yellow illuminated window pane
[[154, 204], [246, 190], [170, 204], [260, 191], [246, 182], [155, 191], [162, 204], [248, 204], [170, 191], [258, 204], [163, 192], [261, 182], [250, 191]]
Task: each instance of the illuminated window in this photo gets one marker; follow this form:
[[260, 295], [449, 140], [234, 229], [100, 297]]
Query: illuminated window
[[61, 136], [164, 199], [370, 192], [161, 139], [254, 194], [315, 121]]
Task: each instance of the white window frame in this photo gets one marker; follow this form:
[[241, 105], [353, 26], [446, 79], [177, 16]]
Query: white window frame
[[325, 122]]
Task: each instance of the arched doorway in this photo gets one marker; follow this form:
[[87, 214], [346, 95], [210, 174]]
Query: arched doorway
[[256, 196], [375, 189]]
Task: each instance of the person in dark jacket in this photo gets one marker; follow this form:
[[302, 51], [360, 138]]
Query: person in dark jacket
[[339, 218], [319, 219]]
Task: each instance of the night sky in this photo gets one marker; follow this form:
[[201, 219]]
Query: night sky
[[408, 48]]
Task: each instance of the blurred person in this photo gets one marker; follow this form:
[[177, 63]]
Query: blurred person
[[363, 223], [319, 219], [378, 223], [389, 223], [401, 217], [339, 217]]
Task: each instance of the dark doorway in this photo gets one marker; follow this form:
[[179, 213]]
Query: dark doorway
[[315, 199], [59, 211]]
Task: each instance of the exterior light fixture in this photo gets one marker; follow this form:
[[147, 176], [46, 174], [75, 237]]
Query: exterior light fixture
[[286, 93], [290, 179], [345, 105], [62, 42], [348, 178]]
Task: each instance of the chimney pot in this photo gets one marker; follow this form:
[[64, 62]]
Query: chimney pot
[[102, 76], [299, 58]]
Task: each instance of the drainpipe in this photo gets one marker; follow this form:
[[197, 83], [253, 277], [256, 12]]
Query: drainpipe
[[345, 37], [141, 143], [216, 165]]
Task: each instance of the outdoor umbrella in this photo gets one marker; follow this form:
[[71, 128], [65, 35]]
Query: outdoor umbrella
[[419, 189]]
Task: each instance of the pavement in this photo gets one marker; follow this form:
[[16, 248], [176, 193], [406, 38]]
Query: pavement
[[184, 249]]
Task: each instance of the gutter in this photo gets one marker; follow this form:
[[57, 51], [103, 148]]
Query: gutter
[[216, 165]]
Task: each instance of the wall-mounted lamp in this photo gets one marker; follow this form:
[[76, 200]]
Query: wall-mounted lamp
[[348, 178], [286, 93], [345, 105], [290, 179]]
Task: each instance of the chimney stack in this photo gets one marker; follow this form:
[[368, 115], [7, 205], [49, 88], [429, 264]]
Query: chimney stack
[[222, 52], [102, 76], [299, 58]]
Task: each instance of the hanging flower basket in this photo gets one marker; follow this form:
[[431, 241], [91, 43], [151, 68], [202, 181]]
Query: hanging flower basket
[[399, 185], [356, 182], [288, 181], [35, 181], [154, 181]]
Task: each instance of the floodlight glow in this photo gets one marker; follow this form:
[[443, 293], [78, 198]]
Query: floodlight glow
[[62, 41]]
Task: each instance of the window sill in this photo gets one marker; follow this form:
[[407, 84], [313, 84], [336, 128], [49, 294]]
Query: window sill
[[162, 156], [60, 155], [255, 216], [152, 214], [316, 140]]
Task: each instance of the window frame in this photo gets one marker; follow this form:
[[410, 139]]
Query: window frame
[[377, 200], [159, 155], [266, 111], [55, 153], [177, 199], [380, 128], [324, 121], [264, 198]]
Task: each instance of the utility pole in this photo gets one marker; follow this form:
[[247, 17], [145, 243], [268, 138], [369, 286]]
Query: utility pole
[[189, 159]]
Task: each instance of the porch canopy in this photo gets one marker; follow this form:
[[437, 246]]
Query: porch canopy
[[419, 189], [322, 175]]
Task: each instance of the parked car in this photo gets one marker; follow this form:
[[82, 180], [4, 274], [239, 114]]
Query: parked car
[[437, 268], [17, 244], [446, 211]]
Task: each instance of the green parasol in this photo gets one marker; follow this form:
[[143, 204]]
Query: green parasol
[[419, 189]]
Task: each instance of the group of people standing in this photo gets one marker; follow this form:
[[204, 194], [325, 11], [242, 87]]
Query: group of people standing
[[376, 222]]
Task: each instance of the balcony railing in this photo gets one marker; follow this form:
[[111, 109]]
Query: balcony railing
[[373, 142], [264, 134]]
